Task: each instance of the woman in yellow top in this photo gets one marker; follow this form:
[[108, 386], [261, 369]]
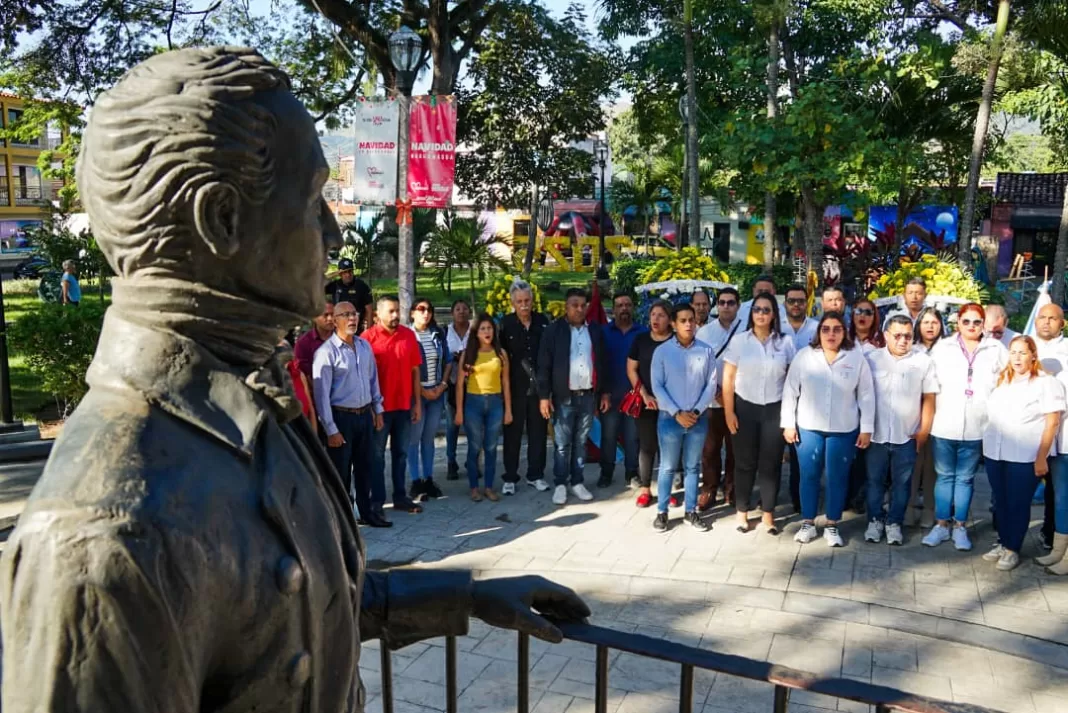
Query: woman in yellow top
[[483, 401]]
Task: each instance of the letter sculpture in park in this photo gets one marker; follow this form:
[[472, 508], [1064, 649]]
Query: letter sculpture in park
[[189, 547]]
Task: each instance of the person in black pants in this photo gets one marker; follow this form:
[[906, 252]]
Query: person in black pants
[[754, 371], [521, 337], [639, 363]]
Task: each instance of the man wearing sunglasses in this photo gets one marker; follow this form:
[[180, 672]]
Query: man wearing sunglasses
[[798, 324], [764, 283], [714, 469]]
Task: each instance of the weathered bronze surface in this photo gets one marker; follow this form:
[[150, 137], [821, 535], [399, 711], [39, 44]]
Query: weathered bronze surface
[[189, 547]]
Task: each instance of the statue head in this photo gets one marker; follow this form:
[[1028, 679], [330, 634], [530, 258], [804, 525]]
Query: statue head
[[201, 165]]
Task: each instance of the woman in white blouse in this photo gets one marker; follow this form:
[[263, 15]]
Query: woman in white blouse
[[1025, 413], [754, 371], [828, 410], [967, 367]]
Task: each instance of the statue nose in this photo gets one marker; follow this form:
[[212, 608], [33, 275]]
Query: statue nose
[[331, 231]]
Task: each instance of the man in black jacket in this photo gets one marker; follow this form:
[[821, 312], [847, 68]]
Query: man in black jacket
[[570, 359], [521, 337]]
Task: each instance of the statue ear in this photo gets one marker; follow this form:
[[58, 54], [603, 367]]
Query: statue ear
[[215, 216]]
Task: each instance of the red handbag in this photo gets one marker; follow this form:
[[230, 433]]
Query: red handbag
[[633, 403]]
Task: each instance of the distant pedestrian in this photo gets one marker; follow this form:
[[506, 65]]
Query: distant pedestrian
[[72, 290], [399, 361], [619, 335], [483, 403], [456, 334], [521, 334], [309, 342], [571, 368], [349, 288], [433, 373], [345, 376]]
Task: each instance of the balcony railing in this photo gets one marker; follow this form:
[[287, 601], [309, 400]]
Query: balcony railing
[[30, 196], [43, 144], [5, 197], [785, 680]]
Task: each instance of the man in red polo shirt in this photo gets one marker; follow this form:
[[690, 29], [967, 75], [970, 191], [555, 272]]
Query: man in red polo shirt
[[398, 357]]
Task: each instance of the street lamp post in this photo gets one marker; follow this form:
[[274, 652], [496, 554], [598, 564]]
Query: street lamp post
[[602, 160], [405, 47]]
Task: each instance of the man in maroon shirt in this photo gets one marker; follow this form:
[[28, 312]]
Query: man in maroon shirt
[[398, 357], [309, 342]]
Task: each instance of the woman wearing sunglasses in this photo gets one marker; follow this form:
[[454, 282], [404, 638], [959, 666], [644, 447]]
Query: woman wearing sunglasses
[[434, 375], [864, 329], [828, 410], [967, 365], [754, 371]]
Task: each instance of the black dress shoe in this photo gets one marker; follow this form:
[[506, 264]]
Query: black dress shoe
[[408, 506], [418, 491], [431, 488], [454, 471], [604, 481], [376, 520]]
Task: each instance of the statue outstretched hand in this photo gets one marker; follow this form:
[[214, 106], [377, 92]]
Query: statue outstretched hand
[[527, 604]]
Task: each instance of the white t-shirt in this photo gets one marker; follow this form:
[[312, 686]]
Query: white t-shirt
[[900, 384], [1017, 418], [761, 367], [1053, 354], [958, 415], [456, 346], [835, 398]]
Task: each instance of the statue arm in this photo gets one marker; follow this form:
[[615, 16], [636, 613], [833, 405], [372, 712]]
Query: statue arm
[[87, 628], [402, 607]]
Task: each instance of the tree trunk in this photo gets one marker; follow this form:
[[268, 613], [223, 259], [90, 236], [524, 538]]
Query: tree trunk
[[471, 280], [773, 110], [982, 124], [691, 131], [813, 230], [1060, 256], [532, 232]]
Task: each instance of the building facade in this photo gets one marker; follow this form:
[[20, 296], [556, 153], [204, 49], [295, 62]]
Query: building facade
[[24, 193]]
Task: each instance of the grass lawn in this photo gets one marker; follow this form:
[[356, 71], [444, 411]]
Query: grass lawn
[[425, 286]]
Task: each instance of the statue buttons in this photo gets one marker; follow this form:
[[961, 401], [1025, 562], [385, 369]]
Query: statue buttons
[[290, 575]]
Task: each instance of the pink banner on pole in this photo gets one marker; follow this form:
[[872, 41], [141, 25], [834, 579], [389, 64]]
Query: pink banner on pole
[[432, 154]]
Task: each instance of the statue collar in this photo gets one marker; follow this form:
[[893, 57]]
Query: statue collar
[[182, 378]]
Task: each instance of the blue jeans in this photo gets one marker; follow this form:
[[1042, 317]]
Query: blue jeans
[[612, 422], [821, 451], [900, 460], [397, 425], [679, 444], [956, 463], [1013, 487], [452, 431], [352, 459], [421, 446], [571, 427], [483, 419], [1058, 473]]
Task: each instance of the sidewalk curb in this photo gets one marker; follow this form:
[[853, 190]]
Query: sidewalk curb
[[31, 450]]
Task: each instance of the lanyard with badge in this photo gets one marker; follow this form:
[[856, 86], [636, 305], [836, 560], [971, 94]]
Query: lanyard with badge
[[971, 364]]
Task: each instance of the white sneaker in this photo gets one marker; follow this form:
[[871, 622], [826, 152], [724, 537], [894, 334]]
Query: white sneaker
[[806, 534], [1009, 560], [894, 536], [560, 495], [994, 554], [581, 493], [830, 534], [508, 489], [874, 533], [937, 535], [961, 541], [540, 485]]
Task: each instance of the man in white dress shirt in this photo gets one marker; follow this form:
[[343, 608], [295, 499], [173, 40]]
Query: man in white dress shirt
[[914, 297], [996, 325], [1053, 355], [717, 334], [702, 306], [905, 388], [802, 329], [764, 283]]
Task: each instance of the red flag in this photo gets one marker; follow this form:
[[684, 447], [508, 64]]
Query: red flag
[[596, 312]]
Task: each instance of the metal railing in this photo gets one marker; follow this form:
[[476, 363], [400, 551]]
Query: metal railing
[[32, 195], [784, 679]]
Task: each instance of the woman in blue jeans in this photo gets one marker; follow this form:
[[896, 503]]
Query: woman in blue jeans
[[434, 380], [828, 410], [1025, 415], [967, 366], [483, 402]]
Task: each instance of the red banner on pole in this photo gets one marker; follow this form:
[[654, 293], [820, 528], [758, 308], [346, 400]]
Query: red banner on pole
[[432, 152]]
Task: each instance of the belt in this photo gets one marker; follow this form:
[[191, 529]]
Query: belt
[[346, 409], [581, 392]]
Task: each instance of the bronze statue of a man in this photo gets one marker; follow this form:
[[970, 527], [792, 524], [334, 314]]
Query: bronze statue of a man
[[189, 548]]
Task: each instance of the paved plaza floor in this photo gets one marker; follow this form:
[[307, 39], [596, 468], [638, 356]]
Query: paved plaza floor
[[935, 622]]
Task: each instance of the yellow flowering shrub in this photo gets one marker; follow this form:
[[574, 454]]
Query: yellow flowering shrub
[[555, 309], [499, 301], [942, 278], [686, 264]]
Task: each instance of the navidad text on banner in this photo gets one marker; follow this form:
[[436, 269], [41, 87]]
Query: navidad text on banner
[[374, 179], [432, 153]]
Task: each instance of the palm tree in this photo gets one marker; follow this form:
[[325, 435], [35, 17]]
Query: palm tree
[[361, 244], [463, 243]]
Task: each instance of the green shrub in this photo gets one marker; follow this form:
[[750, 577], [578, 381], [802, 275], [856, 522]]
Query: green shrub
[[58, 343], [625, 271]]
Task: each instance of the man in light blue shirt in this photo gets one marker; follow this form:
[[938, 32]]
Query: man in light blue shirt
[[684, 384], [349, 404]]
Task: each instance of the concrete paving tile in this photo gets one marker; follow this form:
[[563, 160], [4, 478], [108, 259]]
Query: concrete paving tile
[[800, 625], [411, 690], [746, 577], [740, 695], [804, 654], [775, 580], [827, 582], [758, 598], [580, 689], [553, 703], [955, 661], [843, 560], [503, 645], [923, 684], [754, 646], [646, 702], [857, 660], [899, 658], [1049, 704], [1011, 594], [903, 620], [430, 667], [828, 607], [1000, 698], [865, 634]]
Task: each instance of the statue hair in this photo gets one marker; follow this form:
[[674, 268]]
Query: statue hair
[[178, 130]]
